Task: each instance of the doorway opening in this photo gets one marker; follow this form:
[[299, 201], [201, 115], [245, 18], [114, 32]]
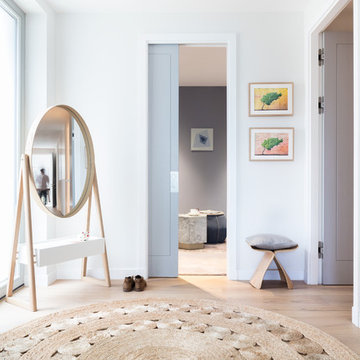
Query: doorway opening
[[159, 115], [202, 160], [337, 112]]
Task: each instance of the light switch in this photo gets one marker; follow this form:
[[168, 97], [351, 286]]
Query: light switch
[[174, 181]]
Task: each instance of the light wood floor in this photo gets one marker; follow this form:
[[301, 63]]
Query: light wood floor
[[208, 261], [327, 308]]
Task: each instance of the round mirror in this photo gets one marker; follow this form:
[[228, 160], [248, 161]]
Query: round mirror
[[61, 158]]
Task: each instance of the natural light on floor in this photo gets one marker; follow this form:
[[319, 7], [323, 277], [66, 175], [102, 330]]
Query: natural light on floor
[[7, 135]]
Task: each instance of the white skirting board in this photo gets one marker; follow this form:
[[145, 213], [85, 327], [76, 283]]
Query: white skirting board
[[120, 273], [356, 316], [47, 275], [116, 273]]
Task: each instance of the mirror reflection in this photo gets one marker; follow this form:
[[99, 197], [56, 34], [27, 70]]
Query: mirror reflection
[[59, 161]]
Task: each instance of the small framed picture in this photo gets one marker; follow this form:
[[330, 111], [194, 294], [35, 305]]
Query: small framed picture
[[271, 144], [271, 99], [202, 139]]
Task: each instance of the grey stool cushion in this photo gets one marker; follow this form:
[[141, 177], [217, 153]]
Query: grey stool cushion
[[270, 242]]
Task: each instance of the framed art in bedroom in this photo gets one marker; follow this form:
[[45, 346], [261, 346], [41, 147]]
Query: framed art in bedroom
[[202, 139]]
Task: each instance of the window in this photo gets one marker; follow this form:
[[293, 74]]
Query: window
[[11, 27]]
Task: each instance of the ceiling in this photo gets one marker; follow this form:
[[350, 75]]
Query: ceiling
[[171, 6], [202, 66]]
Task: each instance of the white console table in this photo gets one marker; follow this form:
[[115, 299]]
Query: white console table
[[55, 251]]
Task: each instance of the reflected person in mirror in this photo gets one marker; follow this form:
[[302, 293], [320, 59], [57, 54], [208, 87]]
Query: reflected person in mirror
[[42, 186]]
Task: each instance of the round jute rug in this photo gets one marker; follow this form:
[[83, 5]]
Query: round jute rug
[[169, 329]]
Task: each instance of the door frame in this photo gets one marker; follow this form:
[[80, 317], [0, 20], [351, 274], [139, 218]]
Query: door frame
[[228, 40], [315, 145], [19, 16], [330, 266]]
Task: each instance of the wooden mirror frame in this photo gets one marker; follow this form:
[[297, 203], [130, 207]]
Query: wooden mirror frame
[[90, 158]]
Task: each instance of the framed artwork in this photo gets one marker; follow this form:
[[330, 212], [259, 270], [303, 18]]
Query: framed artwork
[[271, 144], [202, 139], [271, 99]]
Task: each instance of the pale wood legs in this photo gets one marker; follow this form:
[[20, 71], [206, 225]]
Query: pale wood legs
[[283, 273], [95, 190], [84, 261], [28, 233], [23, 197], [258, 277], [280, 268], [106, 268], [102, 231], [84, 267]]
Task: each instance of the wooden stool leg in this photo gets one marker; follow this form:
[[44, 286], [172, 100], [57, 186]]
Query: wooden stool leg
[[283, 274], [258, 277]]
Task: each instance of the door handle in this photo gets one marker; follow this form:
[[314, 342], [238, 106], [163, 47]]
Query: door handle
[[174, 181]]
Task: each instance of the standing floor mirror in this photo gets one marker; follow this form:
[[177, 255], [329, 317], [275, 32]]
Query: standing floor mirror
[[58, 172]]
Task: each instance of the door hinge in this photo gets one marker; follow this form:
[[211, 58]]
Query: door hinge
[[321, 104], [321, 57], [321, 249]]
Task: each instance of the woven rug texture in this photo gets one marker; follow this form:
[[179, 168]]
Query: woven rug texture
[[169, 329]]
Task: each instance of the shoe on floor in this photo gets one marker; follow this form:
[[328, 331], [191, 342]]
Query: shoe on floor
[[140, 283], [128, 284]]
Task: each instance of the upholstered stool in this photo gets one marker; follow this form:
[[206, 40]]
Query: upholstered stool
[[270, 245], [216, 226]]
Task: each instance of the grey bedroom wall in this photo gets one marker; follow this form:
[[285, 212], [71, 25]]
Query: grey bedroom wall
[[202, 174]]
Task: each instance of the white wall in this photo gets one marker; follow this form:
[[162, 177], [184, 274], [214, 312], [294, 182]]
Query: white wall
[[315, 10], [39, 94], [96, 70]]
